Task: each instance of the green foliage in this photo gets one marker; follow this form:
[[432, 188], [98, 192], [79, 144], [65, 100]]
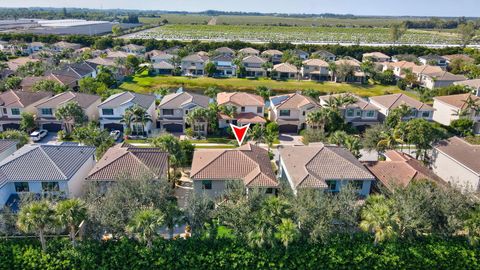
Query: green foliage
[[72, 114], [90, 85], [93, 136], [49, 86], [18, 135], [211, 92], [210, 69], [264, 92], [462, 127], [27, 122], [12, 83]]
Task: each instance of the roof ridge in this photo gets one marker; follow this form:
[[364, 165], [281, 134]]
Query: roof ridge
[[106, 165], [115, 96], [54, 164], [395, 101], [206, 165]]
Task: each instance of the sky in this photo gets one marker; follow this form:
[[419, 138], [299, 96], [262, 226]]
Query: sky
[[453, 8]]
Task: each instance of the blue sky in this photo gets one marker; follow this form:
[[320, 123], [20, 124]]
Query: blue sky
[[358, 7]]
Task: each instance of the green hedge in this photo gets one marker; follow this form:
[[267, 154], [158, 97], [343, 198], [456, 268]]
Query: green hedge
[[340, 253]]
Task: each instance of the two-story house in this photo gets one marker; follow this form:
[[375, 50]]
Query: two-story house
[[14, 103], [249, 109], [225, 51], [440, 79], [315, 70], [387, 103], [249, 52], [63, 45], [473, 85], [46, 109], [375, 57], [302, 55], [450, 108], [44, 169], [274, 56], [285, 71], [194, 64], [324, 55], [254, 66], [358, 75], [424, 70], [174, 108], [112, 110], [290, 111], [135, 49], [434, 60], [224, 64], [358, 113], [399, 68]]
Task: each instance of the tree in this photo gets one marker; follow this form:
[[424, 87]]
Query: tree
[[256, 133], [312, 93], [106, 77], [372, 136], [93, 136], [137, 114], [317, 119], [37, 217], [71, 114], [423, 134], [18, 135], [171, 145], [344, 71], [264, 92], [389, 140], [27, 122], [210, 69], [90, 85], [13, 83], [198, 212], [145, 225], [132, 62], [472, 226], [287, 232], [195, 117], [70, 214], [397, 115], [49, 86], [211, 92], [463, 126], [396, 32], [467, 33], [378, 218], [117, 30]]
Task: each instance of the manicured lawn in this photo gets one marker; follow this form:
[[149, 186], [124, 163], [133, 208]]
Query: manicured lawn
[[147, 84]]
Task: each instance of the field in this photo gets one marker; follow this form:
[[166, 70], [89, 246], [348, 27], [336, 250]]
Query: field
[[293, 34], [147, 84]]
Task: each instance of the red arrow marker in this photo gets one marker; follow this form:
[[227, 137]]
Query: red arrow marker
[[240, 133]]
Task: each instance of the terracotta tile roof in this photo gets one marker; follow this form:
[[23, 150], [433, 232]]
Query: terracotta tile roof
[[461, 151], [313, 165], [244, 118], [240, 99], [403, 65], [119, 161], [395, 100], [376, 55], [179, 100], [22, 99], [457, 101], [285, 68], [400, 169], [350, 62], [84, 100], [253, 59], [315, 62], [248, 163], [225, 50], [292, 101]]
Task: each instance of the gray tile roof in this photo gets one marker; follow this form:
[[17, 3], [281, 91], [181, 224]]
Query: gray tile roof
[[6, 144], [35, 162], [22, 99], [84, 100], [178, 100], [144, 101]]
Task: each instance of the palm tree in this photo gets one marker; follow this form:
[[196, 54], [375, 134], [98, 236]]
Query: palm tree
[[256, 133], [195, 116], [145, 225], [317, 119], [390, 141], [36, 217], [173, 215], [71, 113], [162, 91], [70, 214], [139, 115], [332, 66], [127, 120], [287, 232], [404, 110], [470, 104], [211, 92], [378, 218], [353, 144]]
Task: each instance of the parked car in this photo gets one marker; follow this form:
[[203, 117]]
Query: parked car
[[38, 135], [115, 134]]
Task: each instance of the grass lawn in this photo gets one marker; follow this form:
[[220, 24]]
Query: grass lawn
[[146, 84]]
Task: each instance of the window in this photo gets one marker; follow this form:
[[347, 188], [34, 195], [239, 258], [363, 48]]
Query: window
[[21, 187], [259, 109], [47, 111], [269, 191], [358, 113], [107, 111], [284, 112], [425, 114], [304, 113], [332, 185], [50, 186], [167, 111], [358, 185], [4, 110], [243, 109], [370, 113], [15, 111], [207, 184], [350, 112]]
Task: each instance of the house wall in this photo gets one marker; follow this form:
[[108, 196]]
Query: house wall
[[5, 193], [444, 113], [76, 183], [454, 173], [92, 111], [218, 188]]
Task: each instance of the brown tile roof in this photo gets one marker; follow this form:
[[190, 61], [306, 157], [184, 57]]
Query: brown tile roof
[[102, 61], [84, 100], [22, 99], [178, 100], [457, 101], [249, 163], [272, 52], [244, 118], [28, 82], [403, 64], [14, 64], [350, 62], [196, 57], [313, 165], [291, 101], [253, 59], [285, 68], [225, 50], [395, 100], [426, 69], [475, 84], [463, 152], [400, 169], [241, 99], [249, 51], [315, 62], [446, 76], [376, 55], [135, 162]]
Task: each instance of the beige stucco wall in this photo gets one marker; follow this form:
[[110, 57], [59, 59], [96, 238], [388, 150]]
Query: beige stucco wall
[[454, 173]]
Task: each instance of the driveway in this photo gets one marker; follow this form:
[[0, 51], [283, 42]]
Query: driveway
[[290, 139]]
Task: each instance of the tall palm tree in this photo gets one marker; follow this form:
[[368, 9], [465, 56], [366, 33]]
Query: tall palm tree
[[37, 217], [256, 133], [145, 225], [470, 105], [378, 218], [71, 114], [70, 214], [139, 115], [195, 116], [287, 232], [390, 140], [127, 120], [317, 119], [353, 144]]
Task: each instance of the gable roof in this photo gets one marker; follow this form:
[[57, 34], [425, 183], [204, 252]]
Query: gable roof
[[102, 61], [272, 52], [315, 62], [291, 101], [253, 59], [178, 100], [393, 101], [462, 152], [81, 69], [21, 99], [84, 100], [312, 165], [376, 55], [249, 51], [14, 64], [426, 69], [225, 50], [196, 57], [240, 99], [249, 163], [324, 53], [133, 47], [7, 144], [351, 62], [285, 68], [475, 83], [66, 45], [446, 76], [144, 101], [42, 162], [457, 101], [137, 162]]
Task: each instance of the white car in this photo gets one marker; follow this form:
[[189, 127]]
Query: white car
[[38, 135], [115, 134]]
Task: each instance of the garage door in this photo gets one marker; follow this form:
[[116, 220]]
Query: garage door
[[113, 126], [10, 126], [288, 129], [173, 127], [52, 127]]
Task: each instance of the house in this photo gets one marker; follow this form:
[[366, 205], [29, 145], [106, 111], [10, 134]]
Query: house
[[124, 160], [163, 68], [63, 45], [474, 85], [213, 169], [194, 65], [434, 60], [249, 52], [359, 113], [249, 109], [450, 108], [29, 81], [46, 109], [315, 69], [14, 103], [285, 71], [134, 49], [35, 47], [14, 64], [111, 112], [456, 161], [318, 166], [7, 147], [303, 55], [110, 63], [404, 57], [224, 64], [422, 71], [117, 54], [325, 55], [71, 74], [43, 169], [387, 103], [400, 169], [375, 57], [225, 51], [399, 67], [274, 56], [254, 66], [174, 108], [440, 79], [164, 57], [357, 77], [465, 58], [289, 111]]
